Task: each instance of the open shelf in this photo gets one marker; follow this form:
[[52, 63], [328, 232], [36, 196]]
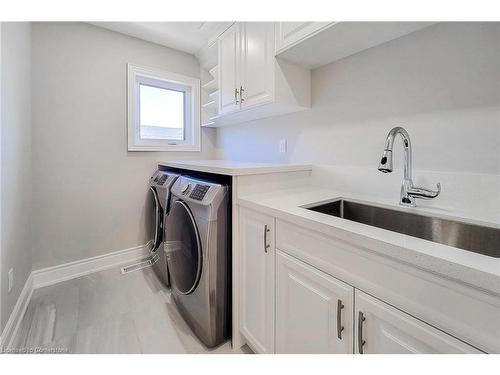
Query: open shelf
[[214, 96], [209, 124], [214, 72], [210, 104], [211, 85], [212, 121]]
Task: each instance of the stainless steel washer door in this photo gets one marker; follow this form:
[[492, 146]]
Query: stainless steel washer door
[[183, 247]]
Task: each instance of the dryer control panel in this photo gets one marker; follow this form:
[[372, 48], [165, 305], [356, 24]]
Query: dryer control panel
[[199, 192]]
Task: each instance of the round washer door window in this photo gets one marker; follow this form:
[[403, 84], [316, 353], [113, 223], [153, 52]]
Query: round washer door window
[[184, 256]]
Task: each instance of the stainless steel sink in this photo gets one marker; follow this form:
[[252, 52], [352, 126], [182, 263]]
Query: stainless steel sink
[[475, 238]]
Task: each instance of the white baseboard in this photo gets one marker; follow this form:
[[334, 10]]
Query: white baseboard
[[53, 275], [9, 332]]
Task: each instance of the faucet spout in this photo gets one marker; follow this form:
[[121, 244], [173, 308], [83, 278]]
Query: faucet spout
[[408, 191], [385, 165]]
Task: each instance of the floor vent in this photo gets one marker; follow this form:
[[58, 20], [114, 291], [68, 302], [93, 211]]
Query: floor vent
[[139, 266]]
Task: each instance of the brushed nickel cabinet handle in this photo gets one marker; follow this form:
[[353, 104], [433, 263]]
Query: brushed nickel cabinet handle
[[236, 96], [266, 246], [241, 94], [361, 342], [340, 327]]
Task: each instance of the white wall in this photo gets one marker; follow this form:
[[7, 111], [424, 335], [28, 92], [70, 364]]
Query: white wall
[[90, 194], [15, 162], [441, 84]]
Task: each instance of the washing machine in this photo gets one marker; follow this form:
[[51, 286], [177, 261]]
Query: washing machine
[[160, 184], [196, 249]]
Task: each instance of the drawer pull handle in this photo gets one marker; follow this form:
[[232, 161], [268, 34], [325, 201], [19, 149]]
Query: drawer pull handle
[[361, 342], [340, 327], [266, 246]]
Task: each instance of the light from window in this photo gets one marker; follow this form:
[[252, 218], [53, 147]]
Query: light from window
[[161, 113]]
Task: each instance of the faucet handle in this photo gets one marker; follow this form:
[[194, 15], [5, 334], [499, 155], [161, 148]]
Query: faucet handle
[[423, 193]]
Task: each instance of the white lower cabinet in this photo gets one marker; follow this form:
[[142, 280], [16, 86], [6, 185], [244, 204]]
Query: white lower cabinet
[[291, 302], [257, 280], [383, 329], [314, 311]]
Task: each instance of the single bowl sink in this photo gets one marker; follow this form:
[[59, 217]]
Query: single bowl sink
[[476, 238]]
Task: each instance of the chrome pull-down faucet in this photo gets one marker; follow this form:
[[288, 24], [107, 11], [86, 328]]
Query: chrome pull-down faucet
[[408, 191]]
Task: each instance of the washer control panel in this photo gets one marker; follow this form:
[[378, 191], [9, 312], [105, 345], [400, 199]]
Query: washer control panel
[[162, 179], [199, 192]]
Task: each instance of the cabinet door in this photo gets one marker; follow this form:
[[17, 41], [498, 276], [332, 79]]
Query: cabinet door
[[257, 279], [229, 61], [383, 329], [257, 64], [290, 33], [313, 310]]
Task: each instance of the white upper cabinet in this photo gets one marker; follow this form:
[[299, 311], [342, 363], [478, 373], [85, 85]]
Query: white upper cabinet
[[257, 65], [314, 311], [313, 44], [289, 33], [382, 329], [229, 69], [254, 84], [257, 279]]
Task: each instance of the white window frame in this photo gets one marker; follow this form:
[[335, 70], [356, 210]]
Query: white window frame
[[137, 75]]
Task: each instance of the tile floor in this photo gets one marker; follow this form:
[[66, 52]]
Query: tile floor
[[107, 312]]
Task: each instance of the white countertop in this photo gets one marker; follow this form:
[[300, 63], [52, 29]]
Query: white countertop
[[233, 168], [470, 268]]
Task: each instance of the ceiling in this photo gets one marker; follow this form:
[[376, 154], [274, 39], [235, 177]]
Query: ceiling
[[184, 36]]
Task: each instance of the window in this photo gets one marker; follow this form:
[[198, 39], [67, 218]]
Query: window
[[163, 111]]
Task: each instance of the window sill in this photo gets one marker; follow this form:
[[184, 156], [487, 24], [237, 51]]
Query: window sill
[[171, 148]]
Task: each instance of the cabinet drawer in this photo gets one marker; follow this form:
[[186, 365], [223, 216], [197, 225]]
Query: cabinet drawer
[[462, 311]]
